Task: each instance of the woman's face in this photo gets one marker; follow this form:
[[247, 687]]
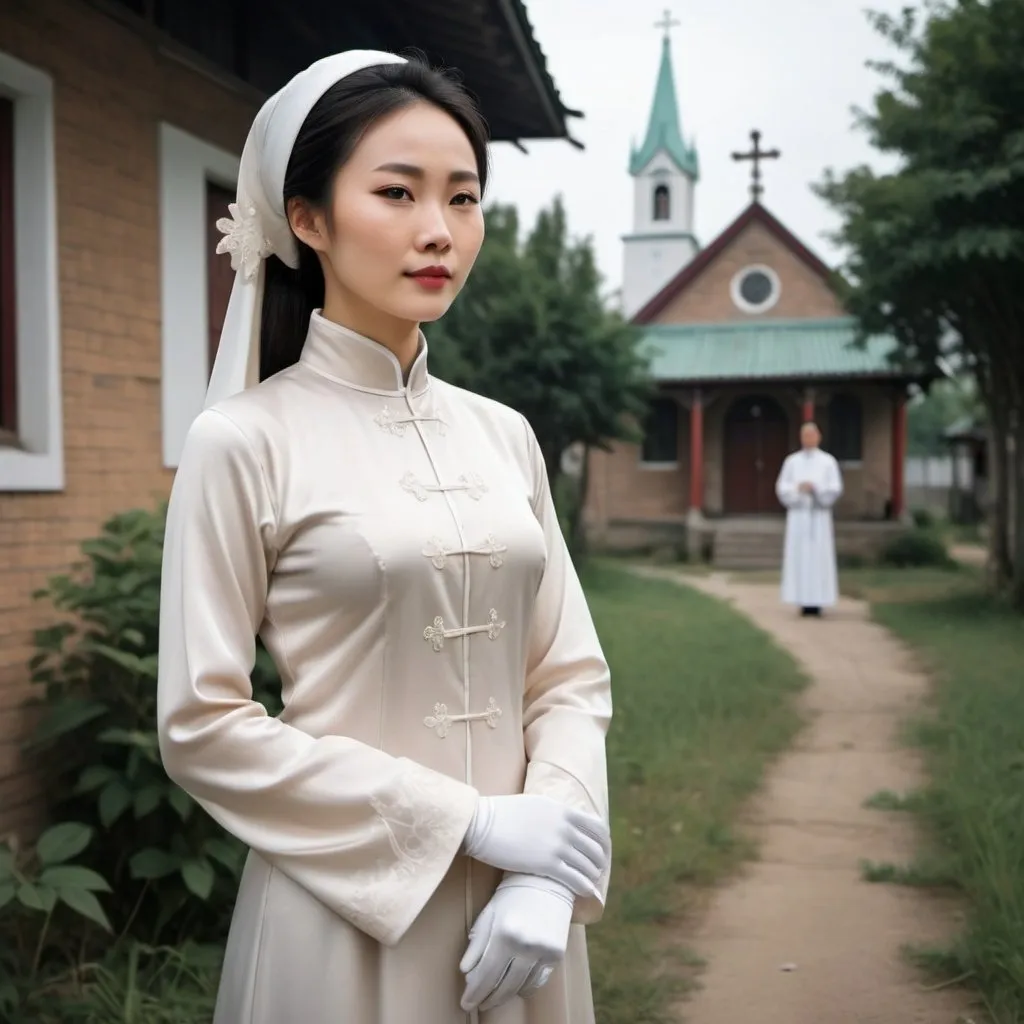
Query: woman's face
[[406, 222]]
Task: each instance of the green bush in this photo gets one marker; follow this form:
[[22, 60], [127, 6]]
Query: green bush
[[923, 518], [172, 869], [44, 892], [917, 548]]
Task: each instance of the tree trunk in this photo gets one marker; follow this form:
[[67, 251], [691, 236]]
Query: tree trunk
[[577, 528], [553, 465], [1015, 508], [1000, 565]]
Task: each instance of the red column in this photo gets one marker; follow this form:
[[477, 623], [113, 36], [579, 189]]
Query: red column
[[808, 406], [697, 453], [899, 453]]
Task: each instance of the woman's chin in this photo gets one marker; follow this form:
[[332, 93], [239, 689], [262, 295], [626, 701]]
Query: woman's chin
[[425, 309]]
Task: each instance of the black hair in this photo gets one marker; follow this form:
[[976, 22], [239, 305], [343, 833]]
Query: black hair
[[330, 133]]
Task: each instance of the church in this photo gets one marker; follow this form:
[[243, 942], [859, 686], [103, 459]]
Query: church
[[747, 340]]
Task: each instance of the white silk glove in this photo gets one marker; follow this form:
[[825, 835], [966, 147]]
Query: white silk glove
[[535, 835], [516, 942]]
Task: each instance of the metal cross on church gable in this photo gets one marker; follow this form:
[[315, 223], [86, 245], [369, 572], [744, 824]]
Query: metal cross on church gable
[[756, 155], [667, 22]]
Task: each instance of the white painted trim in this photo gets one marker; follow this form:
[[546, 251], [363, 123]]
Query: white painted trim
[[37, 463], [657, 467], [741, 303], [186, 164]]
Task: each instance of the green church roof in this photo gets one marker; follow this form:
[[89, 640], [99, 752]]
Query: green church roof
[[766, 349], [663, 129]]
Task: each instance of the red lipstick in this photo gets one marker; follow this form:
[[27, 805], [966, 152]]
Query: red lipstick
[[432, 278]]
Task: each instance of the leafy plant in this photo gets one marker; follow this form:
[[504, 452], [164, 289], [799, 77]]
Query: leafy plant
[[135, 983], [916, 548], [167, 860], [37, 883], [924, 518]]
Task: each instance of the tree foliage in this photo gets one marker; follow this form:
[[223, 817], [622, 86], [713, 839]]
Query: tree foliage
[[948, 402], [531, 330], [936, 247]]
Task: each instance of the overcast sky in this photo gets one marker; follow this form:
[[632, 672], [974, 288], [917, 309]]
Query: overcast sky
[[792, 68]]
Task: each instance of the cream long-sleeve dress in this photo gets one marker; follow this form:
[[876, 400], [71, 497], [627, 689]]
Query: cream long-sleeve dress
[[396, 547]]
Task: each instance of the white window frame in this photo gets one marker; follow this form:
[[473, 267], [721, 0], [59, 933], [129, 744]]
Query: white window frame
[[656, 467], [749, 307], [186, 164], [35, 462]]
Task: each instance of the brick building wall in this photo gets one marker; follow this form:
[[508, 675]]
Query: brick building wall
[[622, 488], [707, 299], [111, 91]]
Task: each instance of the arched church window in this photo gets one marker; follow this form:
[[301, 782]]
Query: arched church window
[[844, 436], [662, 208]]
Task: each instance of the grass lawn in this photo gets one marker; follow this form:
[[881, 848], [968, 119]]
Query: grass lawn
[[973, 743], [866, 583], [702, 699]]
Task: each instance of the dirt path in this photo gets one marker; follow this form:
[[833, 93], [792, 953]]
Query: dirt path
[[970, 554], [800, 938]]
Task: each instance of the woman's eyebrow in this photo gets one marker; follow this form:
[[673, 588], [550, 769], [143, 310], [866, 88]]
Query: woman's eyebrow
[[412, 171]]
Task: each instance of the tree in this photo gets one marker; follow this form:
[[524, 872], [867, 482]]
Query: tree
[[531, 330], [947, 402], [937, 246]]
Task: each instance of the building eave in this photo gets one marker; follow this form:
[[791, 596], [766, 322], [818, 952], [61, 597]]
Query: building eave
[[489, 42]]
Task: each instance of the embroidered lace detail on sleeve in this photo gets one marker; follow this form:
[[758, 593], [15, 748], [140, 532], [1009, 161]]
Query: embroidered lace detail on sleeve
[[549, 780], [420, 827]]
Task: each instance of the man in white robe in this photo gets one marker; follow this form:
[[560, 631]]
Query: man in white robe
[[808, 486]]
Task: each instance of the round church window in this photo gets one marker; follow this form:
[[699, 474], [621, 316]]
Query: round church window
[[755, 289]]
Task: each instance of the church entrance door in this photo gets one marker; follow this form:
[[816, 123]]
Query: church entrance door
[[756, 445]]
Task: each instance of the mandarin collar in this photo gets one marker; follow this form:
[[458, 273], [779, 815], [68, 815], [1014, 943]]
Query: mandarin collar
[[342, 355]]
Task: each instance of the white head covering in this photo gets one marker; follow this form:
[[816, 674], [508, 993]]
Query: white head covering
[[258, 224]]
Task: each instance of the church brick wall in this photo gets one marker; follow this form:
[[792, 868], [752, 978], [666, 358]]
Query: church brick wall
[[621, 490], [620, 487], [111, 91], [707, 299]]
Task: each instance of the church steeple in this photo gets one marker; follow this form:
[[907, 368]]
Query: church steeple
[[665, 172], [664, 132]]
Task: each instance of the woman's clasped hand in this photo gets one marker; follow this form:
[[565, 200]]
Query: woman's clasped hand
[[551, 853], [535, 835]]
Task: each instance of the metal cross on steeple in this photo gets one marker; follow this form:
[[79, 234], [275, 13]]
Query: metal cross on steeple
[[756, 155], [667, 23]]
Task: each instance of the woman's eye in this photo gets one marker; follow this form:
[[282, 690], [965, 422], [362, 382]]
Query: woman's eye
[[465, 199], [395, 192]]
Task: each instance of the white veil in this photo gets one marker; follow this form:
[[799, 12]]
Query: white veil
[[258, 224]]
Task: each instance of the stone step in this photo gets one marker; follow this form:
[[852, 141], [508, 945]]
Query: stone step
[[746, 564], [753, 550], [748, 547], [749, 543]]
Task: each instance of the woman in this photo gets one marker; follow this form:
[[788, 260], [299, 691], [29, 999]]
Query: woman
[[433, 797]]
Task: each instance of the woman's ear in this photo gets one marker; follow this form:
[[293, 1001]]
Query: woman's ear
[[307, 223]]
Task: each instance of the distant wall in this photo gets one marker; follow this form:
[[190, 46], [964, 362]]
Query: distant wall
[[929, 480]]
